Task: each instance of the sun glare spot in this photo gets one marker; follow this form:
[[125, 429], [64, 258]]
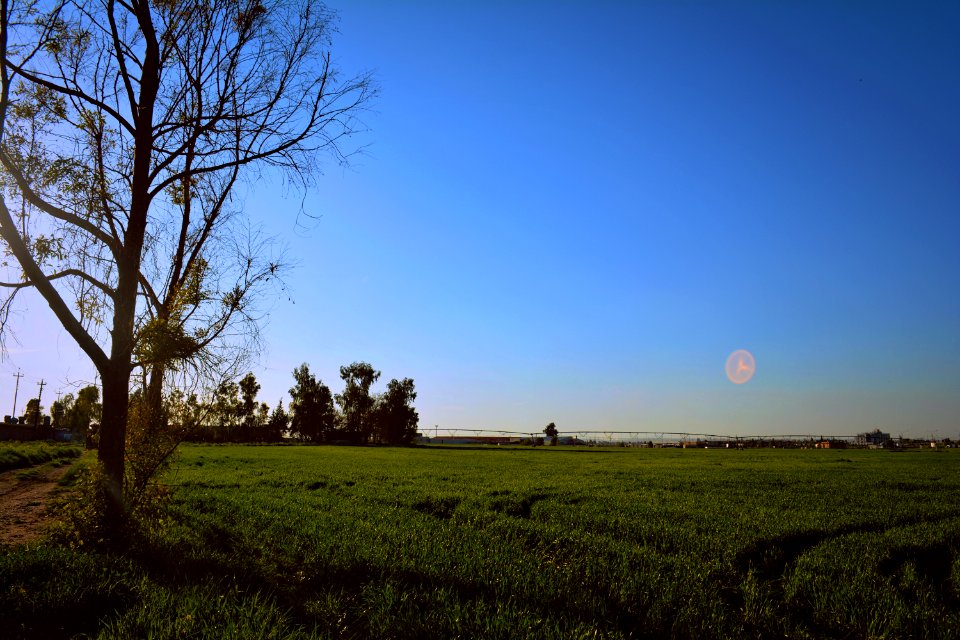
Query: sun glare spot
[[741, 366]]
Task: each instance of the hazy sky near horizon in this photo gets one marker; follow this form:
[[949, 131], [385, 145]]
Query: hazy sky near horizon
[[574, 212]]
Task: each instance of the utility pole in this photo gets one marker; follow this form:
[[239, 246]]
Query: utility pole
[[17, 375], [36, 420]]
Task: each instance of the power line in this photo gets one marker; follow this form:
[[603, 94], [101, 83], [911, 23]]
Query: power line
[[36, 419], [17, 375]]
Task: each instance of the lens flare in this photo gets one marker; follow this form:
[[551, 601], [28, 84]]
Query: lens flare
[[741, 366]]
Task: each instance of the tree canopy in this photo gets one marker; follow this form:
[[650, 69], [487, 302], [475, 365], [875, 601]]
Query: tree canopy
[[394, 417], [124, 130], [551, 432], [311, 405], [355, 402]]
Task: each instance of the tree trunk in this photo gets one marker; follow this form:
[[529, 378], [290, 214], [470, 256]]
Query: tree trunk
[[116, 374], [154, 392], [116, 385], [113, 429]]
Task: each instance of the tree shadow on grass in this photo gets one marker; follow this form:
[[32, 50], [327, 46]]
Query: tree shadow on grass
[[932, 565], [59, 593], [770, 561], [226, 563], [518, 506]]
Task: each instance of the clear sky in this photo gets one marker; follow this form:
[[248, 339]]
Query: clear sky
[[574, 212]]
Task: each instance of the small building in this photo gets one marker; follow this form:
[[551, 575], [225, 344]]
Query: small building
[[831, 444], [875, 438]]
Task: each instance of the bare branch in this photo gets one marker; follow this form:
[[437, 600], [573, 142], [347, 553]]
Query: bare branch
[[47, 207], [8, 231], [76, 93], [148, 291], [120, 55], [63, 274]]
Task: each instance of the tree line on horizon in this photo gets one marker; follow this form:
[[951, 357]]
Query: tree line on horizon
[[315, 414], [72, 412]]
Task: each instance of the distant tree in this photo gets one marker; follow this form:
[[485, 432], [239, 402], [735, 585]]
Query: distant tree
[[551, 432], [84, 409], [58, 409], [226, 411], [326, 422], [395, 420], [248, 404], [186, 413], [260, 423], [355, 401], [32, 412], [277, 424], [311, 406]]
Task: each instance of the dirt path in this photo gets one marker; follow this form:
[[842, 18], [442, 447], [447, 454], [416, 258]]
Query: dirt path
[[24, 503]]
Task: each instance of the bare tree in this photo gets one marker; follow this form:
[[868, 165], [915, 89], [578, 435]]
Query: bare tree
[[127, 125]]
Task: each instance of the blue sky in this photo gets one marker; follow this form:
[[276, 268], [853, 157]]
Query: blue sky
[[575, 212]]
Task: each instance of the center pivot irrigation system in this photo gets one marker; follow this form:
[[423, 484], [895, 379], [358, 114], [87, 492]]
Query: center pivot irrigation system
[[621, 438]]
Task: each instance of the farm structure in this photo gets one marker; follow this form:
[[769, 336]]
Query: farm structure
[[24, 429], [875, 438], [494, 440], [832, 444]]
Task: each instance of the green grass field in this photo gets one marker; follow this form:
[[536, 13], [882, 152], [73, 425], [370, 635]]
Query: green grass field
[[19, 455], [341, 542]]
